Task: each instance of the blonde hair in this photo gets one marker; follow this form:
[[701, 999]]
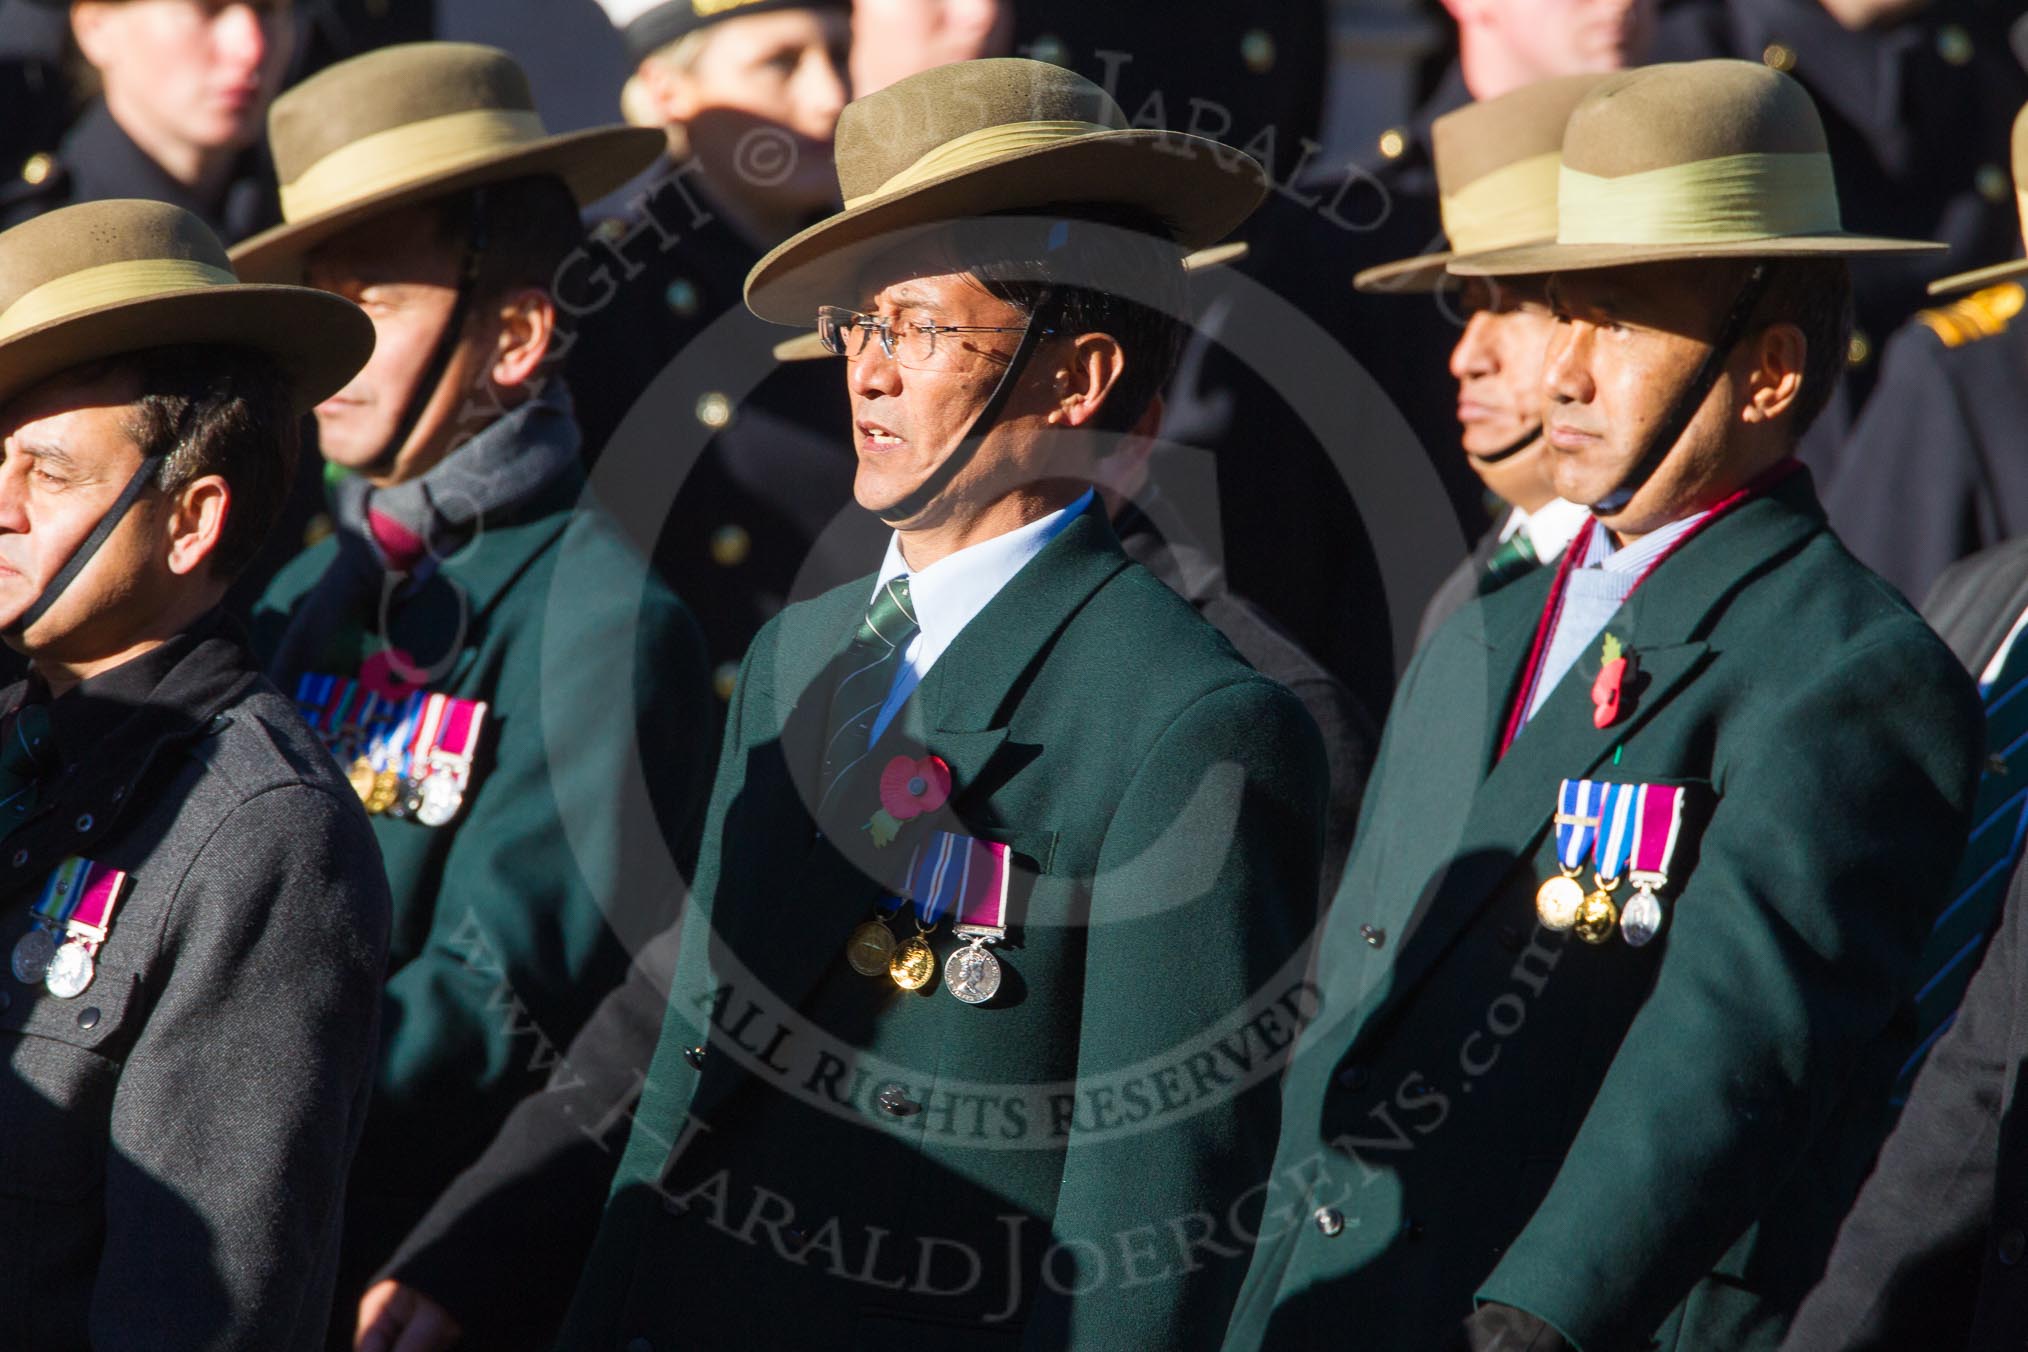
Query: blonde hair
[[637, 104]]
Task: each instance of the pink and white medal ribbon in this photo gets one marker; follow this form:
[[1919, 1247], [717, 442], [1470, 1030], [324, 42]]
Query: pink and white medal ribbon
[[1658, 822]]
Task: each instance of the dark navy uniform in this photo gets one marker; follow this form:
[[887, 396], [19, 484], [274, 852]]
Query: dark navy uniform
[[765, 514], [1916, 115], [97, 161], [1933, 472], [1295, 539]]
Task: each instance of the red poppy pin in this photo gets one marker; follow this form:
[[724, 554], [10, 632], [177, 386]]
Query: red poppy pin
[[390, 674], [1608, 691], [908, 788]]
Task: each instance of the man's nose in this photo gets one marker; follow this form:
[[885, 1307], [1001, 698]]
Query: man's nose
[[1474, 355], [13, 495], [1566, 368], [240, 36], [873, 372], [821, 94]]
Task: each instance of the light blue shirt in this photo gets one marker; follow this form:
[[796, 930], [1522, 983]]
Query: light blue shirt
[[951, 592], [1594, 594]]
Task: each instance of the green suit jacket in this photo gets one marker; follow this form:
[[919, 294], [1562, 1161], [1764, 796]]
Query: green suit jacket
[[1632, 1144], [821, 1159], [503, 923]]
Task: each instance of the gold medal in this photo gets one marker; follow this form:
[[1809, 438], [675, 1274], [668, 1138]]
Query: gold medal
[[1598, 917], [914, 964], [386, 792], [363, 778], [870, 949], [1558, 901]]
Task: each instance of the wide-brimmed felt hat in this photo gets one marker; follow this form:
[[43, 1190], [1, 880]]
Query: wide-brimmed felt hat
[[1496, 163], [104, 279], [1999, 272], [647, 26], [1693, 160], [414, 122], [1001, 136]]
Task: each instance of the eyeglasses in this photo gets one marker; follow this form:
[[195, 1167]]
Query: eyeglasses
[[911, 343]]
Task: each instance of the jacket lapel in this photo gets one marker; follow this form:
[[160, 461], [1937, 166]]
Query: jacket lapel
[[1662, 625], [958, 713]]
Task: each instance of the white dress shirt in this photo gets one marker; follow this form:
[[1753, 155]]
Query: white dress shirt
[[1551, 527], [949, 594]]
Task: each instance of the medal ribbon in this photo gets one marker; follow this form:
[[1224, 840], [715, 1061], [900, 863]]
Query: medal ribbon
[[1616, 832], [1658, 822], [1577, 821], [461, 723], [1573, 558], [955, 875], [93, 918], [61, 893]]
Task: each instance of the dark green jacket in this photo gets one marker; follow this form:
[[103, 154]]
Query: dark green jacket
[[1629, 1143], [1164, 804], [595, 679]]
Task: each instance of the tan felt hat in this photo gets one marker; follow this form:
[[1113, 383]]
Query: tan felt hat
[[1000, 135], [1690, 160], [103, 279], [413, 122], [1999, 272], [1496, 163]]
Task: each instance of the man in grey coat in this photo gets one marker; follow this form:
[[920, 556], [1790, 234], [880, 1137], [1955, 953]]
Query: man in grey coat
[[195, 911]]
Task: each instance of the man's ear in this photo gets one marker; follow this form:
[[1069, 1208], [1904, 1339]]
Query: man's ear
[[1087, 376], [88, 26], [197, 517], [527, 328], [1774, 379], [670, 92]]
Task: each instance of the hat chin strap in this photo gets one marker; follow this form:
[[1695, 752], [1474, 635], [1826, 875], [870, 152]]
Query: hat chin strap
[[1040, 320], [81, 557], [1521, 443], [447, 342], [1691, 398]]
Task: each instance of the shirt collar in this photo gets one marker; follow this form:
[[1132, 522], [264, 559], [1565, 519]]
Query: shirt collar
[[84, 715], [1554, 525], [1613, 558], [949, 593]]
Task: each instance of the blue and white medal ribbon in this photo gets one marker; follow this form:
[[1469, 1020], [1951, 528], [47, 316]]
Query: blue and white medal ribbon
[[1558, 900], [1599, 915]]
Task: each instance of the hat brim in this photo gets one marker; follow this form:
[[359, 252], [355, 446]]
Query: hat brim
[[319, 340], [1979, 277], [590, 163], [1405, 276], [1581, 257], [1201, 190]]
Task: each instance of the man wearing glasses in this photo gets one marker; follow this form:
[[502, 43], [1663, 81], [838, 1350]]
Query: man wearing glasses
[[1006, 841]]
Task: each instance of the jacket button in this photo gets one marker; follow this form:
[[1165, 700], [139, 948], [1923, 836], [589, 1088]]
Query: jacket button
[[1374, 937], [20, 858], [84, 823], [88, 1019], [895, 1102], [2011, 1246], [695, 1056], [1354, 1077], [1331, 1221]]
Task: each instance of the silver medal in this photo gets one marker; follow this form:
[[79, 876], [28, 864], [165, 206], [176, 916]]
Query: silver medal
[[32, 954], [70, 971], [1641, 921], [972, 973], [439, 800]]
